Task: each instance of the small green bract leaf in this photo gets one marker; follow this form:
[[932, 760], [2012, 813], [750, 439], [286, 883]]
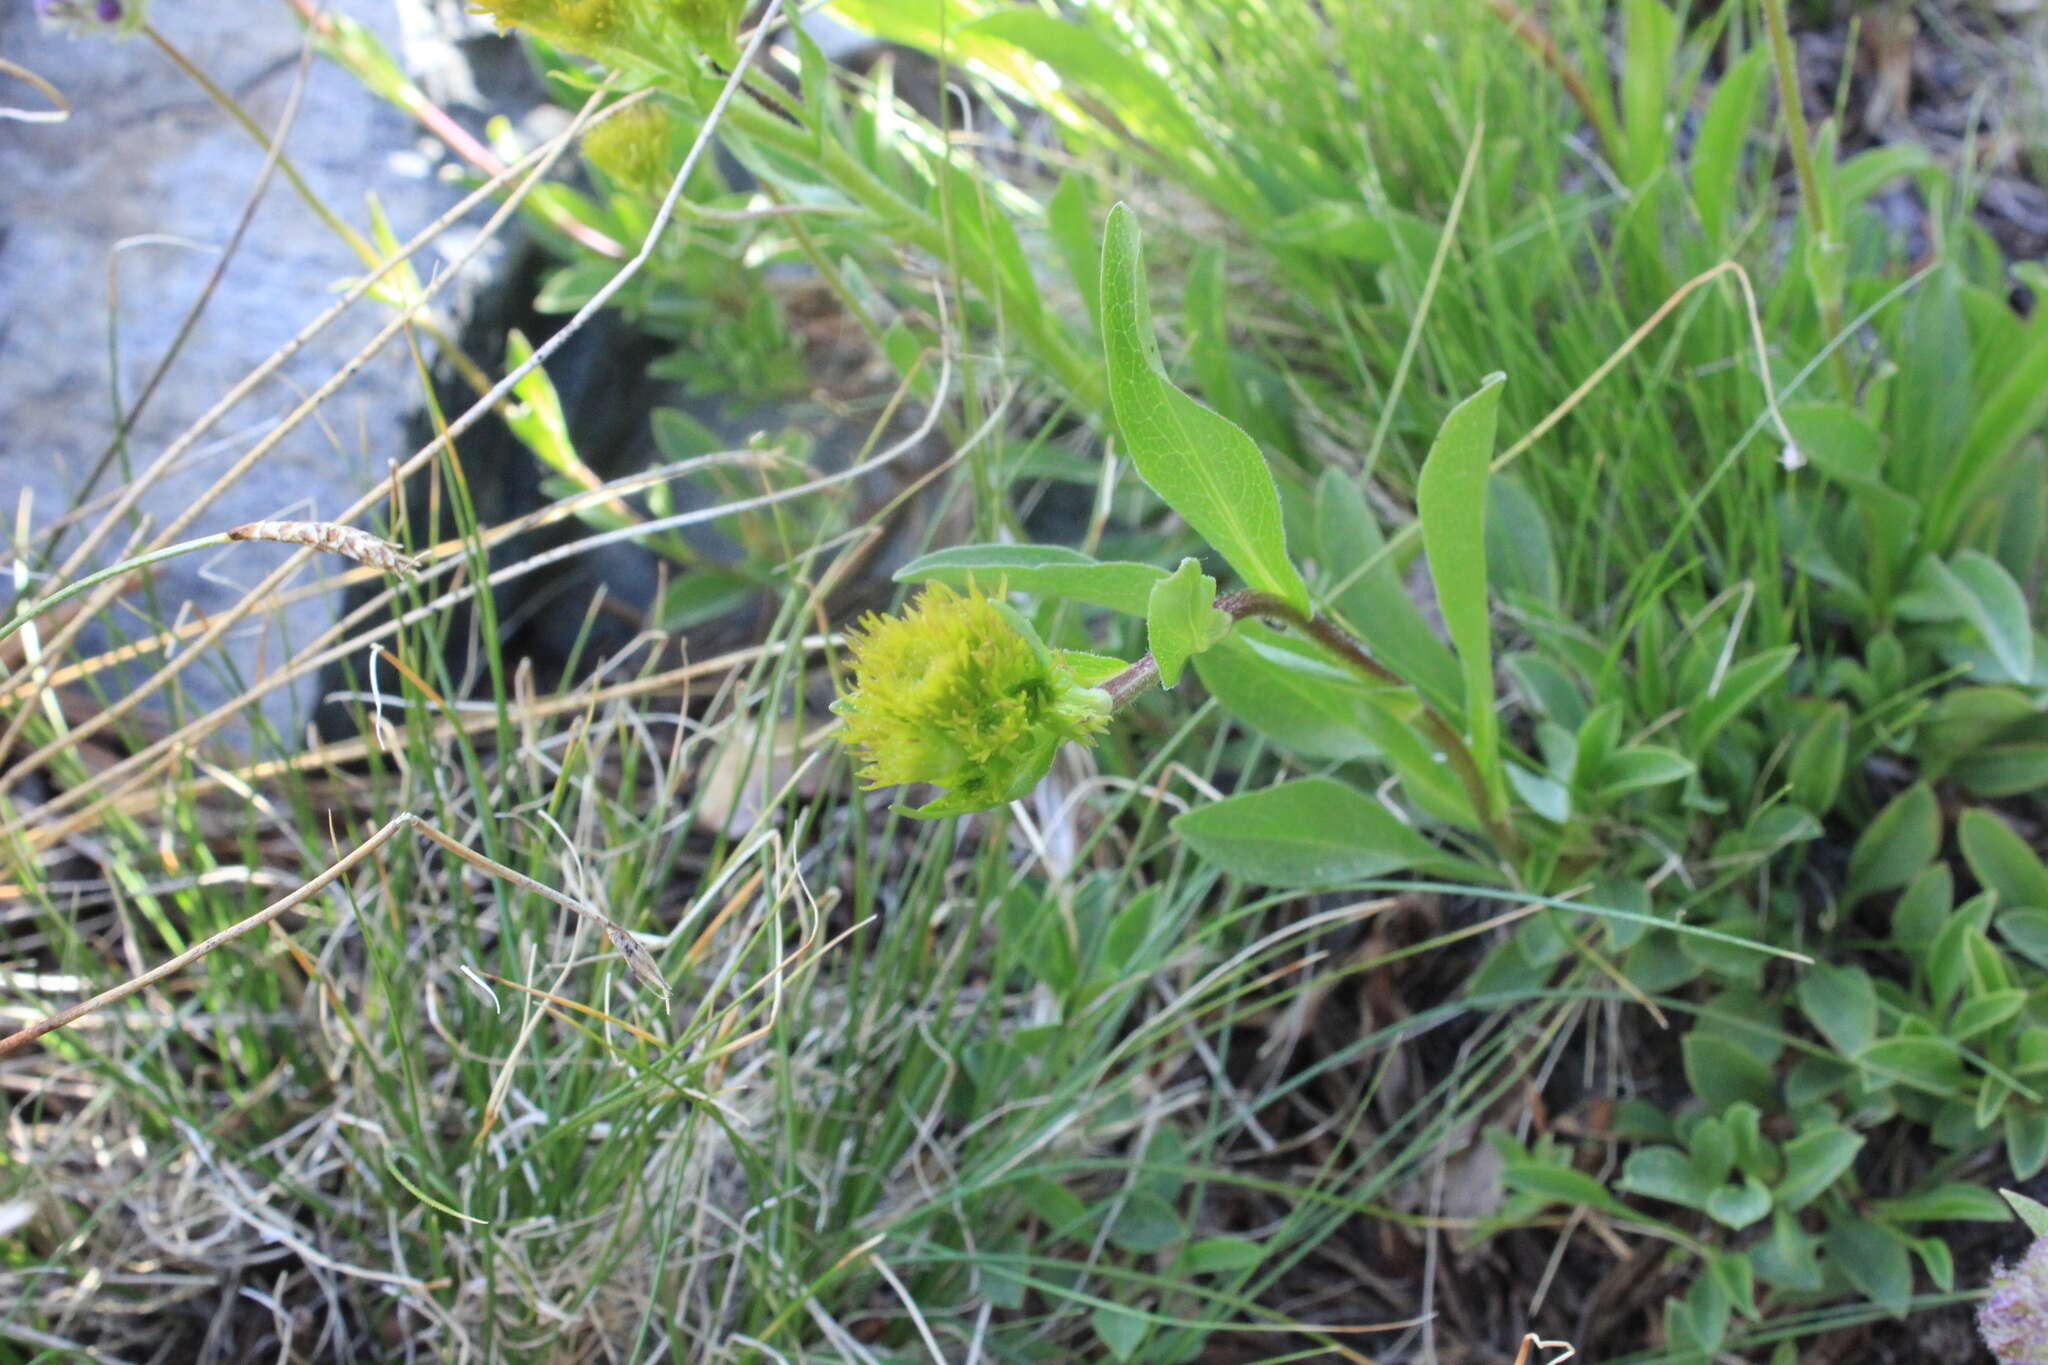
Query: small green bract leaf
[[1182, 620]]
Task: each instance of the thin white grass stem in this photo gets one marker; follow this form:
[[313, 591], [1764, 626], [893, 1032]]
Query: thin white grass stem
[[473, 414], [1422, 306], [129, 767], [341, 867]]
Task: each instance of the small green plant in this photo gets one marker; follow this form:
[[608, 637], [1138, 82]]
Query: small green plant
[[1709, 641]]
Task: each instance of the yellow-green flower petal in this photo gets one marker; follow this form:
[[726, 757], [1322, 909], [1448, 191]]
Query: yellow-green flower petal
[[958, 692]]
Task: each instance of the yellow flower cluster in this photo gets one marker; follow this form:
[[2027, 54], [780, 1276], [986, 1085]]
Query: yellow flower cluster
[[635, 148], [958, 691], [651, 33]]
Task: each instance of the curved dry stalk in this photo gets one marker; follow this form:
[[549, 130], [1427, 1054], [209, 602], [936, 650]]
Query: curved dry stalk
[[637, 957], [489, 537], [444, 440], [125, 501], [138, 767], [347, 541], [58, 114], [272, 158]]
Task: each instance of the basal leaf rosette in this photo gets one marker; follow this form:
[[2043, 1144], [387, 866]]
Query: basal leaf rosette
[[959, 691]]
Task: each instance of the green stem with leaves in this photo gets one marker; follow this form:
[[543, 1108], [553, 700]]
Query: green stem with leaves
[[1813, 206], [26, 614], [1138, 679]]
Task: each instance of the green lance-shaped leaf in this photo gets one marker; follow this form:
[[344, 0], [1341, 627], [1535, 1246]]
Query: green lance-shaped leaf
[[1450, 499], [1200, 463], [1182, 620]]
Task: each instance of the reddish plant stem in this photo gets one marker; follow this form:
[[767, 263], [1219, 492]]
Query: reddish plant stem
[[1134, 681]]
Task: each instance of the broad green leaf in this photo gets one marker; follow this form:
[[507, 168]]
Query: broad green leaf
[[1873, 1258], [1562, 1184], [1640, 766], [1954, 1202], [1717, 151], [1999, 770], [1376, 604], [1213, 1255], [2026, 1142], [1089, 670], [1070, 220], [1820, 759], [1306, 833], [1896, 845], [1649, 64], [1665, 1173], [1147, 1222], [2014, 409], [538, 420], [2026, 933], [1814, 1161], [1722, 1072], [1967, 718], [1842, 1003], [1202, 465], [1738, 1205], [1521, 560], [1289, 692], [1450, 499], [1121, 1329], [1839, 441], [1985, 1011], [1994, 604], [1863, 175], [1046, 570], [1930, 402], [1353, 232], [1738, 687], [2002, 860], [1181, 619], [982, 231], [1928, 1064]]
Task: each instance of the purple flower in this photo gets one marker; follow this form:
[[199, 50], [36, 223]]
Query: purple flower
[[2013, 1318], [90, 16]]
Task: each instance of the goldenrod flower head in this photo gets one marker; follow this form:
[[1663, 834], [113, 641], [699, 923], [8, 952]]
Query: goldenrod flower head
[[655, 33], [960, 692], [579, 24], [633, 147]]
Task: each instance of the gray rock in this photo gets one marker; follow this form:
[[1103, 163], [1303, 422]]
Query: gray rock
[[146, 180]]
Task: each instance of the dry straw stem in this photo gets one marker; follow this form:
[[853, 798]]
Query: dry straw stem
[[60, 107], [637, 958], [487, 538], [470, 416], [273, 155], [536, 166], [138, 768], [326, 536], [1532, 1343]]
